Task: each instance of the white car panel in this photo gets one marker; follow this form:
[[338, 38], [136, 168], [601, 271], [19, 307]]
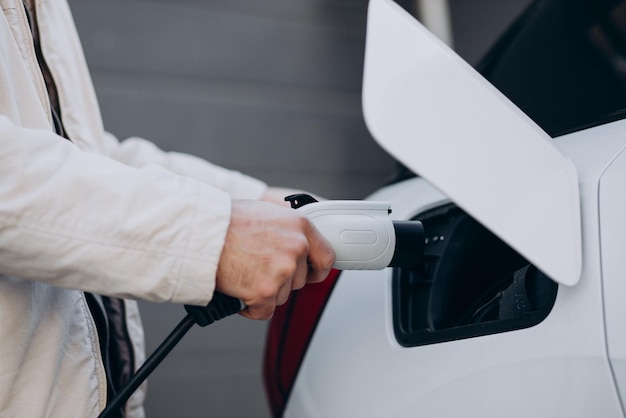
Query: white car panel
[[613, 244], [556, 368], [434, 113], [559, 367]]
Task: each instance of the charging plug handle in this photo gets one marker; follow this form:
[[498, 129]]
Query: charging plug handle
[[360, 230]]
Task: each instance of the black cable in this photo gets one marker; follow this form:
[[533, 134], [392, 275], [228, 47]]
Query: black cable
[[150, 364], [220, 307]]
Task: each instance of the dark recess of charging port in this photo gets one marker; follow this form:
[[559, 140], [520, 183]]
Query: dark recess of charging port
[[469, 283]]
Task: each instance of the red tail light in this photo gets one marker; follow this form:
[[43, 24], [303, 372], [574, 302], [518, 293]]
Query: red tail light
[[288, 336]]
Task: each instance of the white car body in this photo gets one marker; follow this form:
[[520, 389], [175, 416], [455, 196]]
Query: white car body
[[557, 202]]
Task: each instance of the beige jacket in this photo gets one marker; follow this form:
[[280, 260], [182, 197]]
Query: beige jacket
[[88, 215]]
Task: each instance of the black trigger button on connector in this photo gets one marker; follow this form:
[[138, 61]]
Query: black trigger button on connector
[[300, 199]]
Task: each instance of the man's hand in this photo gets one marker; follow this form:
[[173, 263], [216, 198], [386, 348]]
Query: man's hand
[[269, 251]]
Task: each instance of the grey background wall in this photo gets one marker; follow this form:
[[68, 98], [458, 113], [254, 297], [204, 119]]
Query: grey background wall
[[267, 87]]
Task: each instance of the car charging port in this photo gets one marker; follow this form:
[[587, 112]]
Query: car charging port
[[469, 283]]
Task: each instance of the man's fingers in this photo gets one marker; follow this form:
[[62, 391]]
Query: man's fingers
[[257, 313], [301, 274], [268, 252], [321, 256], [283, 294], [261, 308]]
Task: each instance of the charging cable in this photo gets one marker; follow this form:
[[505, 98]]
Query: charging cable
[[220, 307]]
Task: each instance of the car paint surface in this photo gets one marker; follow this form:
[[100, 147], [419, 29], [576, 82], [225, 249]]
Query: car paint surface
[[571, 364], [560, 367], [613, 243]]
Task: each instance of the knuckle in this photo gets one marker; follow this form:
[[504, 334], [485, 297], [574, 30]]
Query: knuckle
[[282, 300], [262, 313], [300, 246], [302, 222], [285, 271], [281, 273], [298, 284], [325, 259], [330, 258], [267, 291]]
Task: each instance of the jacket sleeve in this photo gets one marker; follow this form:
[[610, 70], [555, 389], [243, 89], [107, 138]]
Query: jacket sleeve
[[82, 220], [138, 152]]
